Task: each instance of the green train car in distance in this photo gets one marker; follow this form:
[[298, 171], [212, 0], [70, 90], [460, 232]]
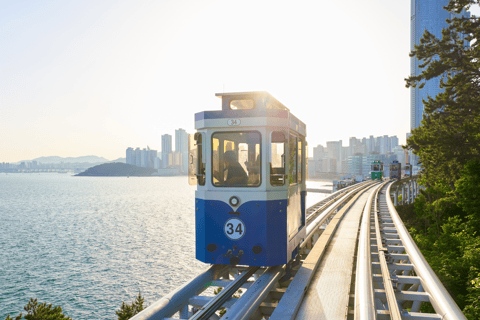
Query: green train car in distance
[[377, 170]]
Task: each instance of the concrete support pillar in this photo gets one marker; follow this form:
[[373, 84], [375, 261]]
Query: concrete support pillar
[[403, 193], [413, 191], [408, 192], [410, 187], [395, 197]]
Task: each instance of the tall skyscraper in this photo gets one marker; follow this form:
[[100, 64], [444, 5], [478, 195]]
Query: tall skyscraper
[[144, 157], [181, 147], [318, 152], [166, 149], [138, 157], [425, 15], [334, 150], [393, 142], [130, 156]]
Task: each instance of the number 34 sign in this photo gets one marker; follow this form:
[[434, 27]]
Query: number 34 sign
[[234, 228]]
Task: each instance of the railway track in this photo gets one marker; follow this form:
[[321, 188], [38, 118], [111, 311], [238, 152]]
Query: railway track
[[388, 277], [393, 279]]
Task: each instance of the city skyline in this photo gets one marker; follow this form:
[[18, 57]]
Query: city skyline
[[98, 77]]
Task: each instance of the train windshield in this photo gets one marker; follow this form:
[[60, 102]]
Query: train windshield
[[236, 159], [375, 167]]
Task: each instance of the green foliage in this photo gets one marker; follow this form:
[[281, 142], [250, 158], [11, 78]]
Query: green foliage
[[40, 311], [449, 136], [127, 311], [445, 224], [445, 220]]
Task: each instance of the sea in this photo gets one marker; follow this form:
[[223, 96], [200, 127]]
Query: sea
[[88, 244]]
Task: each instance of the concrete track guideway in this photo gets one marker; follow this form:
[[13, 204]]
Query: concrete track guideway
[[357, 262]]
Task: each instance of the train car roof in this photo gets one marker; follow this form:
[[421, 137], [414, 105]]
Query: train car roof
[[263, 99], [249, 109]]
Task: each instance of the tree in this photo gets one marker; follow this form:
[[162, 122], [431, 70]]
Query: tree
[[41, 311], [449, 136], [446, 226], [129, 310]]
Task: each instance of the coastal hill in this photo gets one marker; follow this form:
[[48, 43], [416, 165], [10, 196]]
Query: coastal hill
[[117, 169]]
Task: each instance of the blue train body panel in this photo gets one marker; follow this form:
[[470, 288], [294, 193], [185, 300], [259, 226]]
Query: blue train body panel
[[265, 227]]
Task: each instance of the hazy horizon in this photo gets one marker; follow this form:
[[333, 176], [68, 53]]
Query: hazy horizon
[[97, 77]]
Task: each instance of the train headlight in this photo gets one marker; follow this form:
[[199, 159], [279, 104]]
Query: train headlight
[[234, 201]]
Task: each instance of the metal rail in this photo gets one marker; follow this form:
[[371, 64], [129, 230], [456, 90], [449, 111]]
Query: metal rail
[[441, 300], [173, 302], [398, 277], [260, 298], [364, 294], [292, 299], [213, 305], [328, 210], [387, 281]]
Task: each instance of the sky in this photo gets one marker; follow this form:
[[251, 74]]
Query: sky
[[96, 77]]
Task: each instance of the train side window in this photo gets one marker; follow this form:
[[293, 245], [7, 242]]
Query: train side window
[[236, 159], [300, 161], [196, 159], [242, 104], [292, 159], [277, 159]]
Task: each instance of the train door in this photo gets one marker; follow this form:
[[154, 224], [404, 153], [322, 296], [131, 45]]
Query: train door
[[295, 219], [278, 148], [196, 159]]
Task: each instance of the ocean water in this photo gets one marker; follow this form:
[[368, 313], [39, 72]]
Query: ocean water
[[89, 243]]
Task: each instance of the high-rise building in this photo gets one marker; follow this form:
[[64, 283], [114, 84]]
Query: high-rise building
[[138, 157], [166, 149], [144, 157], [393, 142], [425, 15], [370, 144], [355, 165], [130, 156], [318, 152], [334, 150], [152, 155], [181, 146]]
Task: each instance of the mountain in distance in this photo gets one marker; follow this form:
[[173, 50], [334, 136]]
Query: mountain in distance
[[57, 159], [121, 160]]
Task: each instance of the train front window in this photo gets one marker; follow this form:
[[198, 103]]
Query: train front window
[[236, 159], [242, 104], [277, 160]]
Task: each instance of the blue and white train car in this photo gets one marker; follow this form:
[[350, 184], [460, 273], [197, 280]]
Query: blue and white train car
[[249, 164]]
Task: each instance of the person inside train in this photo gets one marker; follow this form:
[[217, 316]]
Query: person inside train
[[236, 175]]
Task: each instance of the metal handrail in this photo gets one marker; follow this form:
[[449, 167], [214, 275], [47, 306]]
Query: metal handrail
[[441, 300]]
